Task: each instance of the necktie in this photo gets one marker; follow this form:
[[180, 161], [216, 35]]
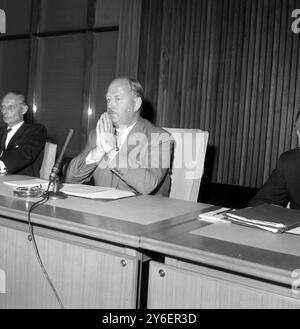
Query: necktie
[[4, 138], [118, 139]]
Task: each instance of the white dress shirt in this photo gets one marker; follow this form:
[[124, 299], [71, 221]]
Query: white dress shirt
[[10, 134]]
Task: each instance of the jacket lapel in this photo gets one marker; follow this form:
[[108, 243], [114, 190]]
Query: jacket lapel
[[127, 148], [19, 134], [3, 134]]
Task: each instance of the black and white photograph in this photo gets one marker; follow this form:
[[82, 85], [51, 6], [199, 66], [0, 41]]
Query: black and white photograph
[[149, 158]]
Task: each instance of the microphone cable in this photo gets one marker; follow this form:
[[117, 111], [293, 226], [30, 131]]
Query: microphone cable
[[31, 238]]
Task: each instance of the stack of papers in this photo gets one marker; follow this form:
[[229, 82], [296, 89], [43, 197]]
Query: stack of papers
[[95, 192], [217, 215], [80, 190], [268, 217]]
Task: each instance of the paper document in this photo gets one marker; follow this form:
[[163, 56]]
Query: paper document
[[217, 215], [95, 192], [295, 230], [249, 224], [28, 182]]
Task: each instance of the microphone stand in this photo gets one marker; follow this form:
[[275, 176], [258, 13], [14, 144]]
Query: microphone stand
[[53, 177], [56, 194]]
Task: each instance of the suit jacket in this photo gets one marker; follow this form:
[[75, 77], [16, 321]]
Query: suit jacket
[[283, 186], [24, 152], [142, 164]]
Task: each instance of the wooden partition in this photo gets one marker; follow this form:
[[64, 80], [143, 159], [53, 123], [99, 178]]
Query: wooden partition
[[196, 287], [84, 273]]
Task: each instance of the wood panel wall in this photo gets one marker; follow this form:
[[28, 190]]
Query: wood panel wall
[[129, 38], [230, 67], [105, 43]]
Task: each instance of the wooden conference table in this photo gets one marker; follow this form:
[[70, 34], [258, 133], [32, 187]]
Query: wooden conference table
[[95, 254], [90, 248], [223, 265]]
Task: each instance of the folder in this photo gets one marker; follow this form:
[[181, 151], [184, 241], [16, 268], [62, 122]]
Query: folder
[[268, 217]]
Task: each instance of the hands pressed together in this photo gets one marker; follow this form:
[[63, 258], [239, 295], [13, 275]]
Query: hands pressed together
[[105, 135]]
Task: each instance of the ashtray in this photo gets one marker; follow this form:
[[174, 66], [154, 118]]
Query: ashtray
[[29, 192]]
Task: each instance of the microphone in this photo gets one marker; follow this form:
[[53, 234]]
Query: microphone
[[55, 169], [53, 177]]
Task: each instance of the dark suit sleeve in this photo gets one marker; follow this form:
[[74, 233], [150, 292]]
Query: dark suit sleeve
[[275, 189], [26, 150], [78, 171]]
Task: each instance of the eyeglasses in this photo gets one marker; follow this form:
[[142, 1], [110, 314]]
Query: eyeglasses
[[9, 108]]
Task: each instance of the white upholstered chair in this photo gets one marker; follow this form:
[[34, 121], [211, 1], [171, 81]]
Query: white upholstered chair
[[48, 160], [188, 162]]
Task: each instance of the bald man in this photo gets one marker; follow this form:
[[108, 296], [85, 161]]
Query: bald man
[[125, 151], [22, 144]]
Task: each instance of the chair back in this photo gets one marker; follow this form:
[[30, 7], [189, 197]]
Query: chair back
[[48, 160], [188, 162]]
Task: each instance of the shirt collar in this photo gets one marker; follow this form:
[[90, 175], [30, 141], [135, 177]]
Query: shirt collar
[[16, 127], [123, 130]]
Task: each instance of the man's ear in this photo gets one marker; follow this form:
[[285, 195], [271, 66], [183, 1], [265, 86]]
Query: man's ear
[[24, 109], [138, 104]]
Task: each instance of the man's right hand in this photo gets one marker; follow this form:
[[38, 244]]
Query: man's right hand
[[105, 140], [98, 136], [2, 168], [97, 153], [106, 134]]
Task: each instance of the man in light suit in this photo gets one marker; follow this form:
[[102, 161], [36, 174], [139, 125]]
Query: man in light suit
[[22, 144], [283, 186], [125, 151]]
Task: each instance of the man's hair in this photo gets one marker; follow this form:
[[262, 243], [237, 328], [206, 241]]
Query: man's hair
[[297, 121], [18, 95], [135, 86]]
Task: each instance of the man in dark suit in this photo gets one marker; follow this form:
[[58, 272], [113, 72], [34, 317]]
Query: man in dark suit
[[22, 144], [125, 151], [283, 186]]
